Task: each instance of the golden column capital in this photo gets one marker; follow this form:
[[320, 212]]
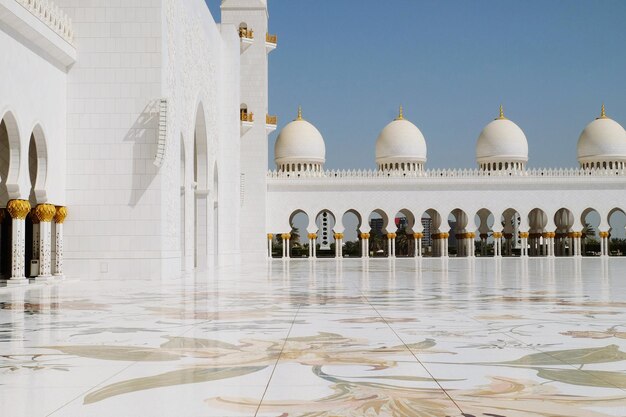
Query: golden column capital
[[338, 235], [365, 235], [604, 234], [18, 209], [523, 235], [270, 236], [285, 236], [418, 235], [497, 235], [391, 235], [45, 212], [61, 214], [312, 236]]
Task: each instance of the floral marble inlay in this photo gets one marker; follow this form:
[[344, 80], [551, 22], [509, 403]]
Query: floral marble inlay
[[430, 337]]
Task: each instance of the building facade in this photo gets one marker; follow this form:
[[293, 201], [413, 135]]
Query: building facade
[[134, 143], [503, 204], [125, 116]]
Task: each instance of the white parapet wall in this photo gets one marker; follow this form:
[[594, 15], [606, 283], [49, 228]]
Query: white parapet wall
[[444, 190], [49, 13]]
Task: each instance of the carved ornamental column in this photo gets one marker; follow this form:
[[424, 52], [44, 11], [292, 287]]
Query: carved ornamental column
[[270, 237], [18, 210], [45, 213], [365, 245], [312, 245], [418, 244], [524, 243], [604, 244], [338, 245], [286, 237], [391, 245], [497, 244], [59, 219]]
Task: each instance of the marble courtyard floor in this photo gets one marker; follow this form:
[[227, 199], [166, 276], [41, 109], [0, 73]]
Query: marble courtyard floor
[[352, 338]]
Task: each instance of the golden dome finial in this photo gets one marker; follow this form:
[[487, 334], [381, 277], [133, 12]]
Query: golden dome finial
[[603, 112], [299, 113], [400, 114], [501, 116]]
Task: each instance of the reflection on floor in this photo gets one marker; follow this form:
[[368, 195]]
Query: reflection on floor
[[535, 337]]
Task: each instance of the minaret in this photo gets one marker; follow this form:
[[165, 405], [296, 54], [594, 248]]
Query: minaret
[[250, 18]]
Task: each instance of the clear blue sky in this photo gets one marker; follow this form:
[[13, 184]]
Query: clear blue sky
[[350, 63]]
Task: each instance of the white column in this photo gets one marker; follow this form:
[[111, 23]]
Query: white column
[[269, 243], [524, 241], [497, 237], [45, 251], [18, 210], [284, 238], [604, 243], [362, 245], [288, 247], [419, 247], [415, 252], [45, 213]]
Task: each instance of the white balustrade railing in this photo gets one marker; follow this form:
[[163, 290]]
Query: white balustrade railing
[[357, 174], [51, 15]]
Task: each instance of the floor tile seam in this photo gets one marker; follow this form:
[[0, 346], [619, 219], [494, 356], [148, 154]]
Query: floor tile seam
[[277, 361], [415, 356], [82, 394], [533, 348]]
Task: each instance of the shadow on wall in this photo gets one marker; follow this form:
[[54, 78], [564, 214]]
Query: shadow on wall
[[144, 133]]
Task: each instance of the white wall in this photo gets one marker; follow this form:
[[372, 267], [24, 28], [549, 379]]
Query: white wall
[[201, 66], [33, 89], [254, 93], [365, 195], [113, 189]]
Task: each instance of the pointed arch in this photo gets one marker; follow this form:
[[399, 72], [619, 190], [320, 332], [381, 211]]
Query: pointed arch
[[37, 165], [10, 147]]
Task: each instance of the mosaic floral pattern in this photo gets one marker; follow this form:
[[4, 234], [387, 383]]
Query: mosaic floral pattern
[[455, 338]]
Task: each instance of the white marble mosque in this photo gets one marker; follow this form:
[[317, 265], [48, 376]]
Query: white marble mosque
[[152, 263]]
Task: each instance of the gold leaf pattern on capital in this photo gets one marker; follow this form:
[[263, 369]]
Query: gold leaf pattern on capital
[[18, 209], [45, 212], [61, 214]]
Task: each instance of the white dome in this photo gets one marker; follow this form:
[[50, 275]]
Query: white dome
[[502, 141], [400, 141], [299, 142], [603, 140]]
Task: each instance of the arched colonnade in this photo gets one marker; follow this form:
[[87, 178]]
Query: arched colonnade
[[31, 226], [448, 232]]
